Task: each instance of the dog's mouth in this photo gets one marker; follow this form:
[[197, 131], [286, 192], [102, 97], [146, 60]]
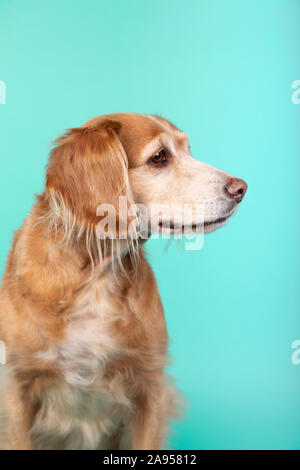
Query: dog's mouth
[[206, 226]]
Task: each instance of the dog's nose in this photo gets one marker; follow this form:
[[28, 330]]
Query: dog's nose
[[236, 189]]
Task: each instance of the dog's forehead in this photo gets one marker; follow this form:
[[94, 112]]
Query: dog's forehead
[[137, 131]]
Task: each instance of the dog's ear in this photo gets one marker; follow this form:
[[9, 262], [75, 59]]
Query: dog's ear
[[88, 167]]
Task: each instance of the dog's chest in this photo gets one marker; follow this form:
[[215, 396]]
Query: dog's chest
[[85, 404], [89, 340]]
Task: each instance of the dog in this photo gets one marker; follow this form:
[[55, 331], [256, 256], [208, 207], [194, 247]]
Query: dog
[[80, 312]]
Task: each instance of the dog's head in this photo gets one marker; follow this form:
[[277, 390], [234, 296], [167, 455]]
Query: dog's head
[[147, 160]]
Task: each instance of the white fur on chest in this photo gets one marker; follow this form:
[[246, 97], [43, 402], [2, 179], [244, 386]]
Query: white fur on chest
[[88, 340], [86, 408]]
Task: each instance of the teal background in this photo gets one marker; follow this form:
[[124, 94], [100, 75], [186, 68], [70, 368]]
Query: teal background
[[222, 71]]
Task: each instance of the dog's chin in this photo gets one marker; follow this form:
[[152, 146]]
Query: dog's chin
[[213, 225]]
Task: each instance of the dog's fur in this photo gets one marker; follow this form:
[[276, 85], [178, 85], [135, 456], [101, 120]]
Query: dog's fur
[[81, 317]]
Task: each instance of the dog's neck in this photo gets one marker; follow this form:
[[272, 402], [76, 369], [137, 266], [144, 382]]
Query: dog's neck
[[64, 268]]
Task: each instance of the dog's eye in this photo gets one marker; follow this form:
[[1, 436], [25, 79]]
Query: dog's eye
[[159, 158]]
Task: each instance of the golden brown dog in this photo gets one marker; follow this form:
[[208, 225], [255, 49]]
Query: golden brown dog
[[80, 312]]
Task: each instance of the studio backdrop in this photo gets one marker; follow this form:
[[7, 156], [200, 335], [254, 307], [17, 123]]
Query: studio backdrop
[[227, 73]]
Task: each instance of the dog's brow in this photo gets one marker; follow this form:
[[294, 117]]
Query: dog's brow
[[181, 138], [168, 127], [154, 145]]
